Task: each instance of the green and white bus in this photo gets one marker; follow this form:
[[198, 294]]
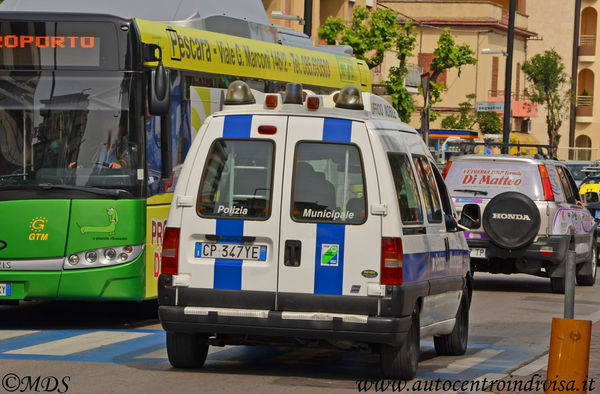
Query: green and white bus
[[96, 114]]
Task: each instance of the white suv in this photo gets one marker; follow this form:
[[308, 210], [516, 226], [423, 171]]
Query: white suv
[[524, 214]]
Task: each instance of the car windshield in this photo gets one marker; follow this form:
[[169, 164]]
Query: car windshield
[[486, 179], [67, 129]]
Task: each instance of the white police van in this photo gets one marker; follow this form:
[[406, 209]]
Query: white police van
[[304, 221]]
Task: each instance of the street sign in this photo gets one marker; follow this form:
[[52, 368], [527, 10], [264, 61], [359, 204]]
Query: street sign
[[490, 106]]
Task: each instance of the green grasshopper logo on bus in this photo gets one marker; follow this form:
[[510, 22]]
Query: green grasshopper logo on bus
[[113, 219]]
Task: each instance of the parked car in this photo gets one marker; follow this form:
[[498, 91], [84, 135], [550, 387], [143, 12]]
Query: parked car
[[313, 223], [523, 215]]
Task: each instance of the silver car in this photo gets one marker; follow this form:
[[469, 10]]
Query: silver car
[[523, 215]]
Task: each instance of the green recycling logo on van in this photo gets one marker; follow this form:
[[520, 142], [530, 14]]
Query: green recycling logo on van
[[329, 254], [113, 219]]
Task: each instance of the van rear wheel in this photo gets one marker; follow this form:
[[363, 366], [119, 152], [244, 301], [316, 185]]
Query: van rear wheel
[[186, 350], [455, 343], [401, 362], [557, 285]]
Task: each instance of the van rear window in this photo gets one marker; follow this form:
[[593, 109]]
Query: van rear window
[[486, 179], [237, 179], [328, 184]]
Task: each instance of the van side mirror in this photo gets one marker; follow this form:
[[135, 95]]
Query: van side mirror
[[470, 217], [159, 86]]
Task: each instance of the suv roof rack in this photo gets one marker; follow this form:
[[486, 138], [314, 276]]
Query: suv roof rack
[[468, 147]]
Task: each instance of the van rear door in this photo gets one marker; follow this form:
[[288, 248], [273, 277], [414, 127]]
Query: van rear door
[[330, 242], [229, 240]]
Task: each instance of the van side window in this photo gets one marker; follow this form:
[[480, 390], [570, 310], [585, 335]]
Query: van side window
[[406, 188], [444, 194], [237, 180], [569, 194], [429, 188], [328, 184]]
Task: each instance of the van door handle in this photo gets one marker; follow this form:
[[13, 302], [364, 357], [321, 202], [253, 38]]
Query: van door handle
[[292, 253], [447, 244]]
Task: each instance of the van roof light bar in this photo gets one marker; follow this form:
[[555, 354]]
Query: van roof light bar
[[239, 93], [350, 98], [293, 93]]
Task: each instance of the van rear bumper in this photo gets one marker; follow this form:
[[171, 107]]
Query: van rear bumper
[[388, 330]]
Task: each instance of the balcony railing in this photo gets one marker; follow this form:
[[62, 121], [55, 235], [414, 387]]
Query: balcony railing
[[514, 95], [584, 106], [587, 45]]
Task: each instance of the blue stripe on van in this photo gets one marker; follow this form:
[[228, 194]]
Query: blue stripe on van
[[237, 126], [228, 273], [337, 130], [329, 268], [329, 273]]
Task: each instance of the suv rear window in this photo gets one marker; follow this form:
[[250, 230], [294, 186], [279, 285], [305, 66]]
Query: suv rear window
[[237, 178], [467, 178], [328, 184]]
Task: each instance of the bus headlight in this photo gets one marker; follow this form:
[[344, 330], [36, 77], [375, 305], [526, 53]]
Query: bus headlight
[[103, 257], [73, 259], [91, 256]]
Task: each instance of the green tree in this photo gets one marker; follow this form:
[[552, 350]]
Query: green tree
[[369, 33], [549, 86], [447, 55], [395, 85], [487, 122]]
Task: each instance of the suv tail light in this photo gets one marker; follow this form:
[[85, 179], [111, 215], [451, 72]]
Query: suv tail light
[[170, 251], [548, 193], [392, 259], [446, 169]]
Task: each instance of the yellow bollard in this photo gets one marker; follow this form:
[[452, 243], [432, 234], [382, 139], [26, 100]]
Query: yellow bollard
[[569, 356]]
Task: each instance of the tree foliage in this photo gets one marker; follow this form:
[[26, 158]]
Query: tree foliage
[[369, 33], [549, 86], [395, 85], [487, 122], [447, 55]]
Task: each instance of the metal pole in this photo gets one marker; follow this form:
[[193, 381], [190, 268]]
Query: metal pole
[[574, 64], [308, 6], [570, 285], [508, 77]]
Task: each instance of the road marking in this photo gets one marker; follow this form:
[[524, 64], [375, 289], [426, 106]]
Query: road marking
[[8, 334], [532, 367], [79, 343], [461, 365]]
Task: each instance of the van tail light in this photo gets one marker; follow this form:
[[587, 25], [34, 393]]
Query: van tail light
[[548, 193], [392, 260], [170, 251], [446, 169]]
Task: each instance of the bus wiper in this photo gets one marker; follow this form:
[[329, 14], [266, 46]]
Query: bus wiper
[[475, 192], [115, 193]]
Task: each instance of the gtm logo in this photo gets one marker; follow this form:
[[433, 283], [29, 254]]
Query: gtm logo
[[37, 226]]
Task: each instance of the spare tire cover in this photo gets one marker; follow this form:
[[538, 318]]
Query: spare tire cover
[[511, 220]]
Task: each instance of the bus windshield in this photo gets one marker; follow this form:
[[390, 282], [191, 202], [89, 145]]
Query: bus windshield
[[67, 129]]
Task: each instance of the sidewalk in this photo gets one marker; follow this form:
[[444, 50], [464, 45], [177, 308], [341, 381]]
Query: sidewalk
[[542, 364]]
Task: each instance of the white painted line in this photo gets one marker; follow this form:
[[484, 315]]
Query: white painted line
[[79, 343], [488, 378], [462, 365], [594, 317], [160, 353], [532, 367], [7, 334]]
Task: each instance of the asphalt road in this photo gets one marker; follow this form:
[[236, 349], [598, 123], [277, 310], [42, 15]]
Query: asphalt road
[[119, 347]]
